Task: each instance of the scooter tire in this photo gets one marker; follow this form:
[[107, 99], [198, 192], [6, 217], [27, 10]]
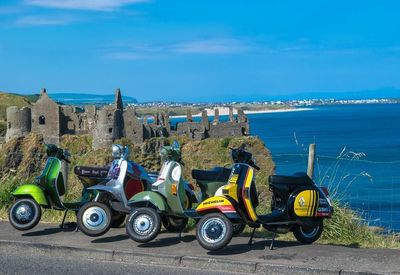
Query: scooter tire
[[238, 229], [143, 224], [174, 224], [88, 219], [206, 228], [117, 219], [34, 217], [307, 235]]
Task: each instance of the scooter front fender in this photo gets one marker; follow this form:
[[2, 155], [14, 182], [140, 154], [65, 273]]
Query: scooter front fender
[[144, 198], [33, 191], [217, 203]]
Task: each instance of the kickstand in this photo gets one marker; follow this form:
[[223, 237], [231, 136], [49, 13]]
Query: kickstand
[[63, 220], [271, 246], [251, 237], [179, 234]]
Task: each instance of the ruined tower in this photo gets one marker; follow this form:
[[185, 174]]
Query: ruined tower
[[46, 118], [133, 128], [18, 122], [109, 123]]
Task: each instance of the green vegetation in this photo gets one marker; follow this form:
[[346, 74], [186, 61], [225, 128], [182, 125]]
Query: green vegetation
[[22, 159], [7, 100], [3, 128]]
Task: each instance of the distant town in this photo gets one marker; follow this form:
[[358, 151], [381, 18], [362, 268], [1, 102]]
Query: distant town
[[277, 103]]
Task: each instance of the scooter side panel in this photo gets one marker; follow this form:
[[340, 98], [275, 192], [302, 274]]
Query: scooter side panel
[[216, 203], [248, 181], [149, 197], [33, 191], [306, 203]]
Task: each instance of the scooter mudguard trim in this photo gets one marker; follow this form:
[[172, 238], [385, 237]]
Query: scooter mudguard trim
[[306, 203], [31, 190], [148, 197], [216, 203]]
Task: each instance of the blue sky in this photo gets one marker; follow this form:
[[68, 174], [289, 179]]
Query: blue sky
[[198, 50]]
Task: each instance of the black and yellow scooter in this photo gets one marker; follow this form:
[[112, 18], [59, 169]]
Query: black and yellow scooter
[[298, 205]]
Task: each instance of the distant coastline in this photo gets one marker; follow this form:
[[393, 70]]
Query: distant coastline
[[224, 111]]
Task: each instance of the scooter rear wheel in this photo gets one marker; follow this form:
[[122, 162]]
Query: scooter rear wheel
[[94, 219], [174, 224], [143, 224], [117, 219], [24, 214], [214, 231], [307, 235]]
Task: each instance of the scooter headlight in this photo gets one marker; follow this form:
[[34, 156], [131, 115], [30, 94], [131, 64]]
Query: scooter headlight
[[176, 174], [117, 150]]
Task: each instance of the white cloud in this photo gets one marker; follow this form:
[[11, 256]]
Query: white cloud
[[209, 46], [44, 20], [214, 46], [97, 5]]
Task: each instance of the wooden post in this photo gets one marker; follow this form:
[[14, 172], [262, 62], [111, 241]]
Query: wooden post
[[311, 159]]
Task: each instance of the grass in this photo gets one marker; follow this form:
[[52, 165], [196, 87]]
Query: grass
[[7, 100], [3, 128]]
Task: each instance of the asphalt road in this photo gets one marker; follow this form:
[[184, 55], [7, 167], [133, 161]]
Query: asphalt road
[[185, 252], [17, 264]]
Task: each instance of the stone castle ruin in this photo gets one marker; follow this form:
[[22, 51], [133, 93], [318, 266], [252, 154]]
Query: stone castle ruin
[[112, 122]]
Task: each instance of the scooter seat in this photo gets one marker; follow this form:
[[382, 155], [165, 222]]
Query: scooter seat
[[86, 171], [216, 174], [295, 179]]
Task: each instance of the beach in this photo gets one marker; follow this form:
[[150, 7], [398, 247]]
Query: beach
[[224, 111]]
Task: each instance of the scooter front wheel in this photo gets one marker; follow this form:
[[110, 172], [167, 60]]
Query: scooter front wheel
[[307, 235], [94, 219], [143, 225], [214, 231], [24, 214], [238, 229]]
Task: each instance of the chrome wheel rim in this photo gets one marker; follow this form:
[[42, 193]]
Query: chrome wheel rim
[[143, 224], [95, 218], [24, 212], [309, 234], [213, 230]]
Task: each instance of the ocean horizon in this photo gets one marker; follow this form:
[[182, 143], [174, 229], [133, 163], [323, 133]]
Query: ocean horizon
[[357, 153]]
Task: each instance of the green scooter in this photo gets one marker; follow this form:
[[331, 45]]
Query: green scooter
[[50, 187], [168, 203]]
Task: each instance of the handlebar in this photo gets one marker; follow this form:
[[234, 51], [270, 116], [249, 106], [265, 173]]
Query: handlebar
[[240, 155]]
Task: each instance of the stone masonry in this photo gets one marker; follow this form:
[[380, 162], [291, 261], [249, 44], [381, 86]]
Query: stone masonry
[[113, 122]]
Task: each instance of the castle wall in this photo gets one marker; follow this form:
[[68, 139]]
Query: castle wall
[[192, 130], [46, 118], [113, 122], [18, 122], [133, 128], [108, 127], [227, 129]]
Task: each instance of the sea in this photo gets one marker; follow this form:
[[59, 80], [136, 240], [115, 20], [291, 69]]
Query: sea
[[357, 153]]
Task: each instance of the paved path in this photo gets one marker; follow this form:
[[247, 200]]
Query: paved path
[[168, 249], [17, 264]]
